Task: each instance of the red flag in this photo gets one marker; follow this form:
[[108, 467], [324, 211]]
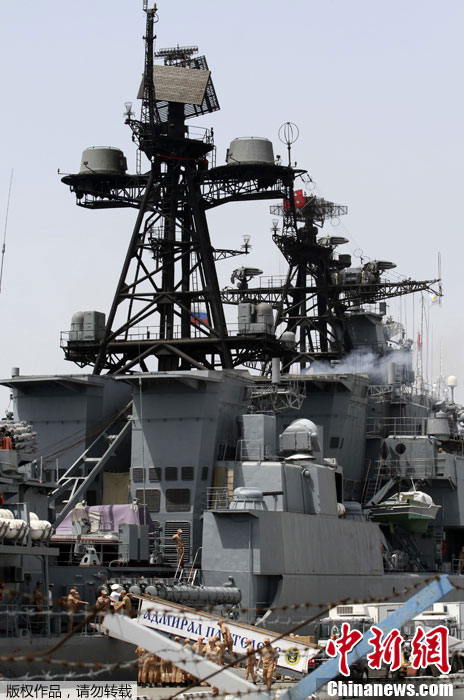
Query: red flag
[[300, 199]]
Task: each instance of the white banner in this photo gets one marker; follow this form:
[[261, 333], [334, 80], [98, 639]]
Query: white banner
[[187, 623]]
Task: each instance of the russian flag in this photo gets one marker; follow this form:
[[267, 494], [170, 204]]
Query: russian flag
[[199, 317]]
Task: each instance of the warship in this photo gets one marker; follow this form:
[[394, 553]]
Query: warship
[[269, 421]]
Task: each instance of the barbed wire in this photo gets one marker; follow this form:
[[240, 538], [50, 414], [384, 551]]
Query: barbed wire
[[94, 669], [305, 622], [455, 678]]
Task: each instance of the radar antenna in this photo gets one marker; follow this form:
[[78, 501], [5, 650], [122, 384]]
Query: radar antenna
[[168, 311], [177, 56]]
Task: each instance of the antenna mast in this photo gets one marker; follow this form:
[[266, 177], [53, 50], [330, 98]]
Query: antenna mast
[[168, 310], [5, 229]]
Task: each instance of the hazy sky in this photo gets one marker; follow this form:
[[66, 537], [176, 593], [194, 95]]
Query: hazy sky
[[375, 88]]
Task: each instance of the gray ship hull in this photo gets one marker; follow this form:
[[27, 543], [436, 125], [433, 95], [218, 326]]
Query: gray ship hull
[[78, 649]]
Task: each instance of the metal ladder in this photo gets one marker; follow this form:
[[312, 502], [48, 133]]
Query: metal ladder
[[80, 475], [188, 574]]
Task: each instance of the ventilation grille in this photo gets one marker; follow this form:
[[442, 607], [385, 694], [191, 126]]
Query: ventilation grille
[[137, 474], [170, 529], [344, 610], [170, 473], [154, 474], [177, 500], [204, 474], [187, 473], [152, 498]]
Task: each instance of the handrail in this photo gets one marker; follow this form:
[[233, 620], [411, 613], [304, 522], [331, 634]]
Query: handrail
[[190, 578]]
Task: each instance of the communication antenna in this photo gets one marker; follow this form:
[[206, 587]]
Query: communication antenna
[[308, 182], [152, 11], [5, 229], [128, 113], [246, 245], [359, 253], [288, 134], [452, 384], [440, 286]]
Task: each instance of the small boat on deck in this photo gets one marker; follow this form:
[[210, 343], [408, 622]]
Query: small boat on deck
[[411, 510]]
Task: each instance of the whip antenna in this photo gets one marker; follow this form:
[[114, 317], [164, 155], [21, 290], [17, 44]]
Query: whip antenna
[[5, 229]]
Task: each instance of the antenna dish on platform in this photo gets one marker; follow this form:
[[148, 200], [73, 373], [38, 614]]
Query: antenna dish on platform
[[243, 275], [332, 241]]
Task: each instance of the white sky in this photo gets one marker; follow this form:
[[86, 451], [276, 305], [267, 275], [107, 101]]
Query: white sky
[[375, 88]]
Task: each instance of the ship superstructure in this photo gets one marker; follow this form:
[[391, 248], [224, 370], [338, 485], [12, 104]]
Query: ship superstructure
[[265, 440]]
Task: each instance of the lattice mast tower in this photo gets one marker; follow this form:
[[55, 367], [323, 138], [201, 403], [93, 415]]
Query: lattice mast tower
[[168, 310], [169, 280]]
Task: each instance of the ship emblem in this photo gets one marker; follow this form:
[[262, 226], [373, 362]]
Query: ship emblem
[[292, 656]]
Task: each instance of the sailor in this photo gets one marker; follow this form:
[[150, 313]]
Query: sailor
[[220, 653], [178, 676], [124, 606], [180, 547], [250, 663], [188, 678], [200, 648], [227, 639], [213, 653], [199, 645], [50, 601], [38, 599], [268, 658], [73, 601], [210, 647], [166, 672], [103, 604], [114, 595], [151, 670], [50, 595], [141, 653]]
